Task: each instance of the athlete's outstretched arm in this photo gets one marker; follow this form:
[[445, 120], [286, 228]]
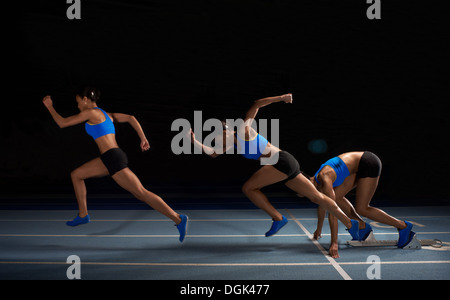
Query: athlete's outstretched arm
[[206, 149], [253, 111], [321, 212], [61, 121], [246, 129], [124, 118], [327, 189]]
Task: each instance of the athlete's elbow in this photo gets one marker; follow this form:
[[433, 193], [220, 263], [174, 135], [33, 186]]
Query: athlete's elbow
[[213, 155], [210, 152], [61, 124], [255, 107]]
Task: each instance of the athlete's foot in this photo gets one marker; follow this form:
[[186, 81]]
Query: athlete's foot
[[362, 224], [276, 226], [403, 226], [364, 232], [354, 230], [182, 227], [405, 235], [79, 221]]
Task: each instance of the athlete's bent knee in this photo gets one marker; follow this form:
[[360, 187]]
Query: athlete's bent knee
[[75, 175], [248, 188], [316, 198], [362, 210]]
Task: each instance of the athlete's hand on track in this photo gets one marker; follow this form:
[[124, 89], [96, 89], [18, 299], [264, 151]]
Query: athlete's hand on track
[[334, 248], [317, 234]]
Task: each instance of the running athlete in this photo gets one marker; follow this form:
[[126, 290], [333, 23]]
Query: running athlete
[[284, 167], [338, 176], [113, 161]]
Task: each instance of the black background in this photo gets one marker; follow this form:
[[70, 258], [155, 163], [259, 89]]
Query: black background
[[358, 84]]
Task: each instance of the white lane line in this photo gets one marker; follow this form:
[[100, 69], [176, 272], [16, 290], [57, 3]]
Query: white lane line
[[395, 233], [399, 262], [170, 264], [148, 235], [319, 246], [218, 264], [190, 220], [145, 220], [192, 236]]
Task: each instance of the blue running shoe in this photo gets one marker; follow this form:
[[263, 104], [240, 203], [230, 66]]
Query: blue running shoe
[[364, 233], [405, 235], [354, 230], [79, 221], [182, 227], [276, 226]]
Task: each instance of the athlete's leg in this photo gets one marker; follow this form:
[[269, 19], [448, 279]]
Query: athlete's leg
[[93, 168], [348, 208], [301, 185], [130, 182], [364, 193], [265, 176]]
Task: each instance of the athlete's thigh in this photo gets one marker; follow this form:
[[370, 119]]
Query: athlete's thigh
[[93, 168], [365, 190], [265, 176], [128, 180], [302, 186]]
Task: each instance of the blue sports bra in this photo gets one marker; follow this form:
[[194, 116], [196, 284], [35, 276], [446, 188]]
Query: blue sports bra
[[339, 167], [100, 129], [252, 149]]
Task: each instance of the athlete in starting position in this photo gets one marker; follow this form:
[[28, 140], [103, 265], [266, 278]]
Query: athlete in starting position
[[338, 176], [112, 161]]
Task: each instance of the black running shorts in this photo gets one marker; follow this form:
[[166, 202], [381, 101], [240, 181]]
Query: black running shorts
[[114, 159], [287, 164], [369, 166]]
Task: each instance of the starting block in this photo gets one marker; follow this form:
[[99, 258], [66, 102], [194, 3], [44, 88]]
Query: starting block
[[413, 244]]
